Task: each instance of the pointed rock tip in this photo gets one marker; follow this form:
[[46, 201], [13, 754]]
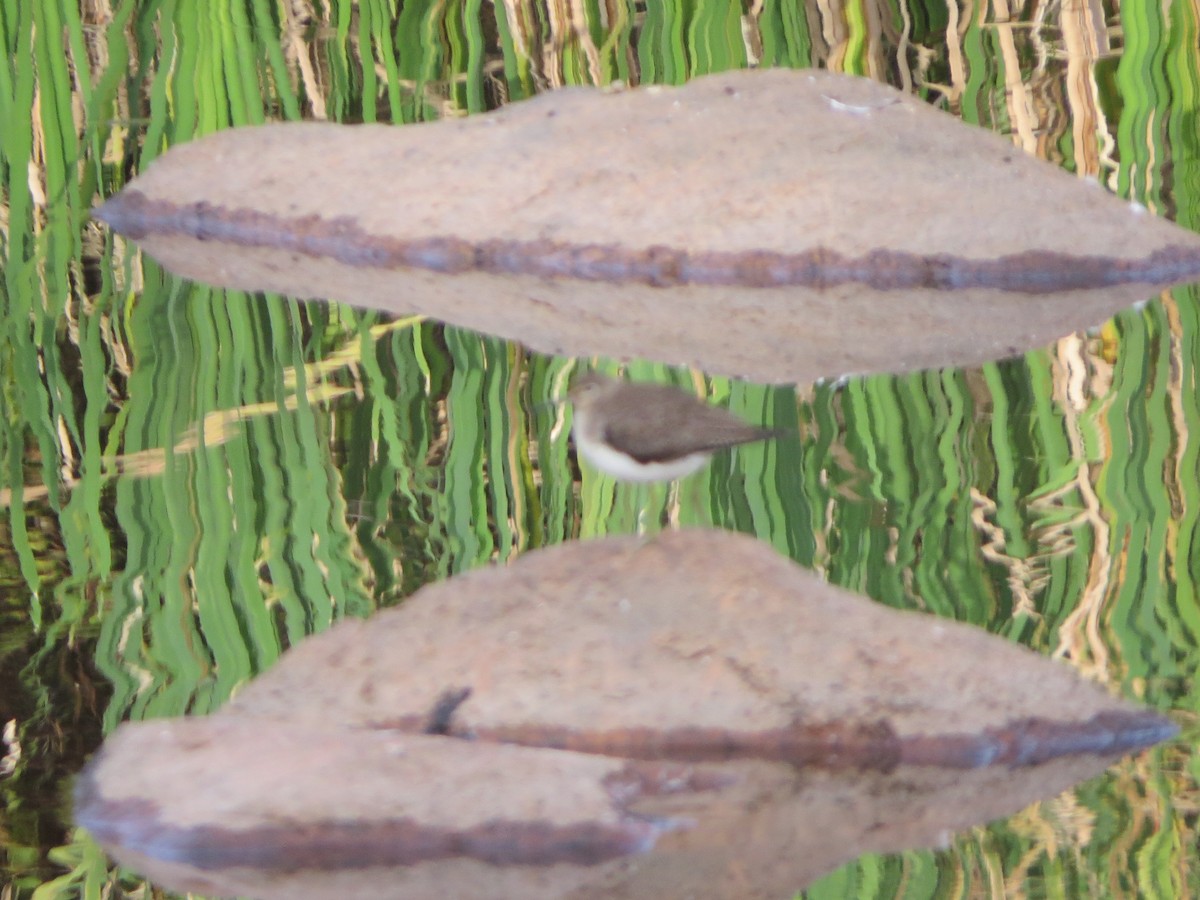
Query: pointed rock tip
[[123, 213]]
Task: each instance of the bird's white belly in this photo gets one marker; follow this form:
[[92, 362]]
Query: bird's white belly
[[626, 468]]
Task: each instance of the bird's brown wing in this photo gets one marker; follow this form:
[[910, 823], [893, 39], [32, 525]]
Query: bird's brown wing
[[678, 429]]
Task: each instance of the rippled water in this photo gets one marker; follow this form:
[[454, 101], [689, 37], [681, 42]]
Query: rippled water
[[197, 479]]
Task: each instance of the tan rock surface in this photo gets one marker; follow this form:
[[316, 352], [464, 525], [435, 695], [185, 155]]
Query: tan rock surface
[[689, 716], [774, 224]]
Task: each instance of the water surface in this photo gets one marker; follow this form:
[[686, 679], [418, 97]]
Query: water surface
[[196, 479]]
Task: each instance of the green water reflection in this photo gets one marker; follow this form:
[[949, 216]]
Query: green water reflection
[[196, 479]]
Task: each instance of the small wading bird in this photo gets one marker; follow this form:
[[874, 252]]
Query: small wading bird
[[651, 432]]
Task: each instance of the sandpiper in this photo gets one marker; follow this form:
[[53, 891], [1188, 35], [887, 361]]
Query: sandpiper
[[635, 431]]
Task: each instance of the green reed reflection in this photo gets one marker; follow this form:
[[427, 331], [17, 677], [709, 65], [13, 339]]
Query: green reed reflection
[[236, 535]]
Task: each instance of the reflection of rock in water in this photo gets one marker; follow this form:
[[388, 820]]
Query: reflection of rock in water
[[785, 267], [692, 716]]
